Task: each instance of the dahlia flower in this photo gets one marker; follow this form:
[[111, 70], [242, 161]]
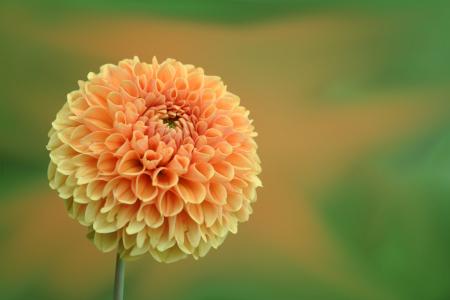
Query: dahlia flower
[[154, 158]]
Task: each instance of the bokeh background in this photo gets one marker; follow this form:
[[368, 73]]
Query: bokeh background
[[351, 102]]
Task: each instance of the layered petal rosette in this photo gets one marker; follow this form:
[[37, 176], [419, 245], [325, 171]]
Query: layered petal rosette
[[154, 158]]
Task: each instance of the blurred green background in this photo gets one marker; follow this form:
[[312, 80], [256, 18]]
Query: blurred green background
[[351, 101]]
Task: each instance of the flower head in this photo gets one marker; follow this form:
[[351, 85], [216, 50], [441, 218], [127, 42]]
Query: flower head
[[154, 158]]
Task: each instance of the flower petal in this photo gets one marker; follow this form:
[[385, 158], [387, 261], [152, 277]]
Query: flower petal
[[217, 193], [164, 178], [144, 189], [191, 191], [130, 164], [195, 211], [170, 204], [97, 118]]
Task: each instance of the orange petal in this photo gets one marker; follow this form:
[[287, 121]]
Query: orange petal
[[222, 122], [115, 141], [180, 84], [230, 222], [164, 178], [203, 153], [210, 212], [151, 159], [195, 80], [86, 174], [234, 201], [129, 88], [240, 121], [208, 95], [139, 142], [228, 101], [131, 113], [224, 171], [97, 118], [179, 164], [96, 94], [195, 211], [223, 149], [77, 102], [115, 101], [170, 204], [209, 113], [213, 136], [134, 227], [191, 191], [239, 161], [130, 164], [152, 217], [193, 233], [165, 151], [94, 137], [106, 163], [123, 193], [166, 73], [95, 188], [125, 214], [200, 172], [217, 193], [234, 139], [144, 189]]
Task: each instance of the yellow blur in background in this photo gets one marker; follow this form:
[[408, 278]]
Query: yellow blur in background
[[351, 103]]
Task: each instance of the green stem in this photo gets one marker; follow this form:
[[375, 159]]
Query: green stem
[[119, 278]]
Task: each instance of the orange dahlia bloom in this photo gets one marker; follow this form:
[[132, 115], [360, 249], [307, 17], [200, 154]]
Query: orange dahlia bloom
[[156, 158]]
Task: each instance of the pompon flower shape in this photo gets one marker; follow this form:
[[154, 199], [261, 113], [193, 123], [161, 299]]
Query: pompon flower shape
[[154, 158]]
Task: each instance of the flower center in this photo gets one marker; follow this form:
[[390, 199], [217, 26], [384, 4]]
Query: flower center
[[171, 121]]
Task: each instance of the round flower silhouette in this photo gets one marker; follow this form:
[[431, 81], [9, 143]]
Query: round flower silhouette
[[154, 158]]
